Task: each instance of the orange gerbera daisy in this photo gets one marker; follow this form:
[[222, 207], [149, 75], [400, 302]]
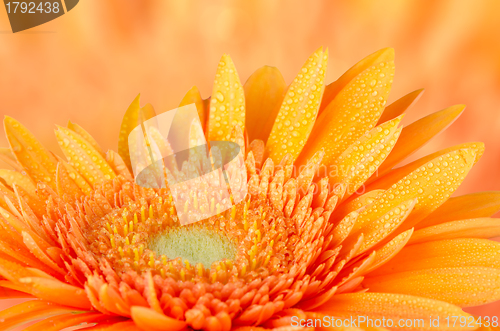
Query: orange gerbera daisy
[[347, 235]]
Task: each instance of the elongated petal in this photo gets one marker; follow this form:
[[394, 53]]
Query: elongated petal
[[38, 163], [193, 96], [8, 157], [393, 306], [356, 203], [395, 175], [374, 232], [351, 113], [115, 326], [76, 177], [30, 310], [148, 319], [83, 157], [264, 92], [472, 228], [450, 253], [331, 90], [62, 322], [134, 116], [227, 105], [58, 292], [461, 286], [10, 177], [399, 106], [360, 160], [7, 293], [391, 249], [420, 132], [299, 109], [432, 184], [475, 205], [85, 135], [65, 184]]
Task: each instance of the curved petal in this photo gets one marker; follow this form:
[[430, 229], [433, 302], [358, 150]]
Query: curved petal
[[351, 113], [58, 292], [193, 96], [473, 228], [391, 306], [449, 253], [299, 109], [264, 92], [134, 116], [475, 205], [38, 163], [332, 89], [399, 106], [227, 105], [418, 133], [149, 320], [462, 286], [432, 184]]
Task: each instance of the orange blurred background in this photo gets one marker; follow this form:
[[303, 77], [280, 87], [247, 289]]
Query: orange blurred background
[[88, 65]]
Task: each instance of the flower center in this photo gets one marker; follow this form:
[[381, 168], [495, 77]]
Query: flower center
[[195, 245]]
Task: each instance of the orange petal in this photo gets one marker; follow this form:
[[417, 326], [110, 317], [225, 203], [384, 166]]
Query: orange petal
[[377, 230], [76, 177], [112, 301], [391, 249], [12, 177], [193, 96], [21, 255], [432, 184], [335, 128], [30, 310], [8, 157], [13, 271], [149, 320], [461, 286], [21, 227], [38, 252], [360, 160], [331, 90], [475, 205], [134, 116], [38, 163], [85, 135], [65, 184], [450, 253], [399, 106], [118, 165], [62, 322], [395, 175], [418, 133], [472, 228], [83, 157], [264, 92], [393, 306], [58, 292], [299, 109], [8, 293], [355, 203], [115, 326], [227, 105]]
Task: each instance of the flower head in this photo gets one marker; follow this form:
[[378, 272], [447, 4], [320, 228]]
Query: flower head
[[329, 227]]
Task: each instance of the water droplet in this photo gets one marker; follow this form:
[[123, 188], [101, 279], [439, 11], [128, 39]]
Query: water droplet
[[219, 96]]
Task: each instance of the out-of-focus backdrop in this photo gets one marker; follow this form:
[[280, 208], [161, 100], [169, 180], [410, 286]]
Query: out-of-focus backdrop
[[88, 65]]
